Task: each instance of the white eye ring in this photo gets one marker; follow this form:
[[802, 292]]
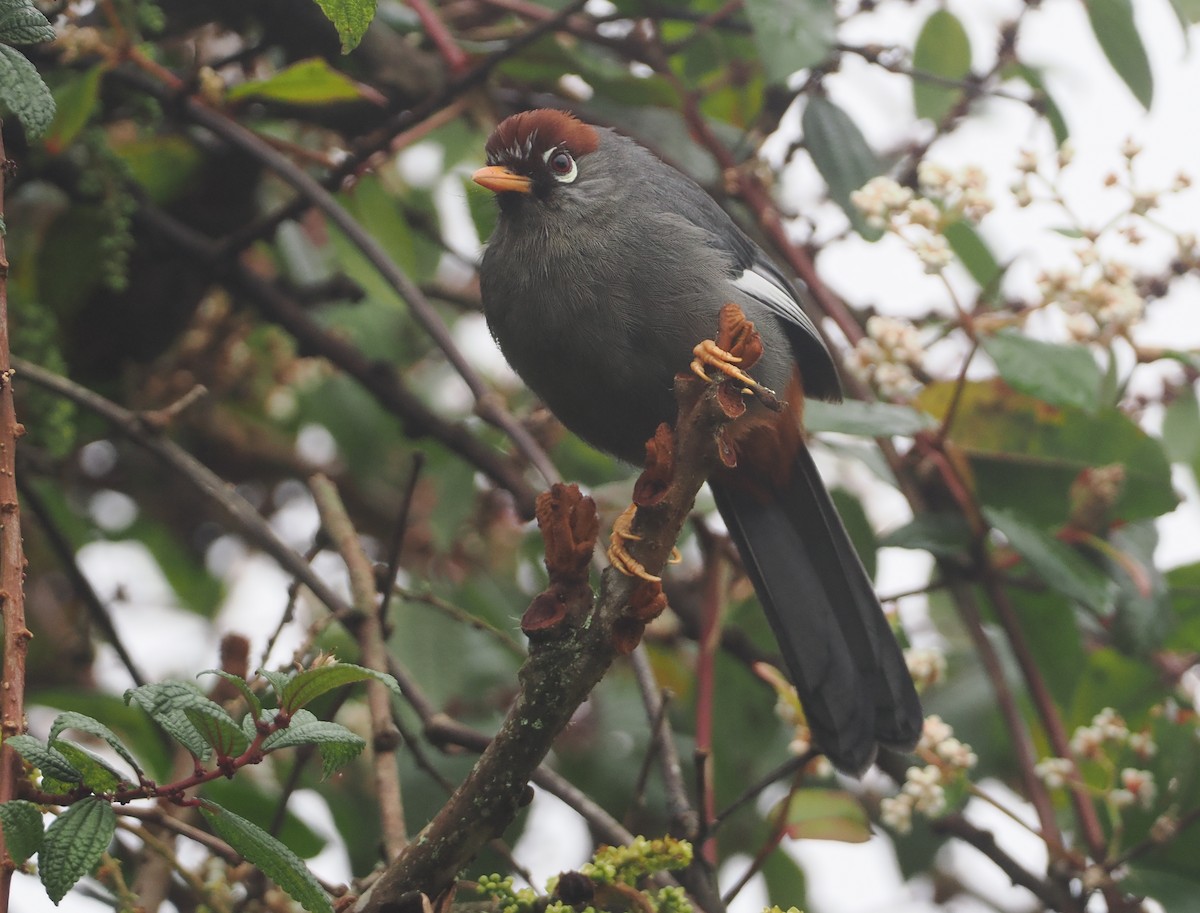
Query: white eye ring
[[564, 177]]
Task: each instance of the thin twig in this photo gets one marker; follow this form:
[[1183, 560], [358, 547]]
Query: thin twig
[[488, 405], [12, 567], [384, 736], [679, 807], [97, 610], [237, 511]]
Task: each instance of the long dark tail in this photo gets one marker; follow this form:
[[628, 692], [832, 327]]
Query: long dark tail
[[837, 645]]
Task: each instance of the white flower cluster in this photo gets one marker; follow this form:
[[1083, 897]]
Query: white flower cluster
[[1055, 772], [924, 789], [1108, 730], [964, 193], [887, 355], [881, 200], [1137, 786], [926, 666], [1109, 727], [1095, 302]]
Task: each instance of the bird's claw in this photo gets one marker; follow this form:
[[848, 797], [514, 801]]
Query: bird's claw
[[710, 355], [618, 555]]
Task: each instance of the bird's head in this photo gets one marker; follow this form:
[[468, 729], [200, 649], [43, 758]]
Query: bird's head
[[534, 155]]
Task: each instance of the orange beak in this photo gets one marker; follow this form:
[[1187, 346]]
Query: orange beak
[[501, 180]]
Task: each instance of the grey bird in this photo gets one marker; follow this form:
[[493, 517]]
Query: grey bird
[[606, 268]]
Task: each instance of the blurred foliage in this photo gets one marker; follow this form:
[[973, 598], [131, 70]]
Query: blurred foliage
[[155, 252]]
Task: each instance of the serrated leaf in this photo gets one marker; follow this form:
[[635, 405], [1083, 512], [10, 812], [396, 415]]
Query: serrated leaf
[[73, 845], [1113, 24], [1062, 375], [24, 92], [865, 419], [241, 685], [277, 680], [824, 814], [973, 252], [338, 745], [275, 860], [165, 702], [25, 25], [22, 824], [942, 50], [791, 35], [81, 723], [351, 19], [51, 762], [1060, 567], [841, 154], [312, 683], [217, 728], [306, 82], [97, 775]]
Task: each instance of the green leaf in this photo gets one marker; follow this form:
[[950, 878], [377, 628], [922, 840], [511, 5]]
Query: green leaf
[[1109, 679], [973, 252], [841, 154], [942, 49], [791, 34], [1143, 616], [1060, 566], [275, 860], [1052, 632], [97, 775], [865, 419], [240, 684], [82, 723], [338, 745], [350, 18], [22, 824], [167, 702], [1115, 29], [217, 728], [73, 845], [22, 90], [1188, 12], [312, 683], [22, 23], [1181, 431], [943, 534], [166, 167], [862, 534], [1062, 375], [1024, 454], [307, 82], [824, 814], [50, 761], [75, 101], [1046, 102], [1184, 583]]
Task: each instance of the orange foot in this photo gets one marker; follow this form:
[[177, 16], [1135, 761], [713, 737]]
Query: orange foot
[[620, 558], [710, 355]]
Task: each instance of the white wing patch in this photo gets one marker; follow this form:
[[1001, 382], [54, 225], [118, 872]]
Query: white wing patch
[[764, 288]]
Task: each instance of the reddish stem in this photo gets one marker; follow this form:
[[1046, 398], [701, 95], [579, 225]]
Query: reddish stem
[[456, 59], [12, 565]]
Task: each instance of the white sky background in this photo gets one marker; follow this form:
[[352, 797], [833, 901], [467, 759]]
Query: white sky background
[[1101, 113]]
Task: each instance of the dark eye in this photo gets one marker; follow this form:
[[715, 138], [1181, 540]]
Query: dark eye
[[562, 166]]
